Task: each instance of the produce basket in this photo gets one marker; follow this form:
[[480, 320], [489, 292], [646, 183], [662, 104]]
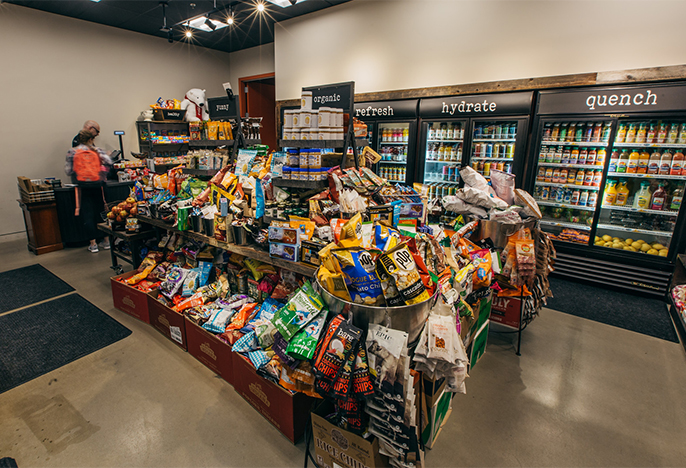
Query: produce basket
[[113, 223]]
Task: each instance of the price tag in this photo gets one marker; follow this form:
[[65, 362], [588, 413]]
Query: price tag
[[176, 334]]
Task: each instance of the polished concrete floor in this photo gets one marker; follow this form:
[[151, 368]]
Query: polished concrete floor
[[581, 394]]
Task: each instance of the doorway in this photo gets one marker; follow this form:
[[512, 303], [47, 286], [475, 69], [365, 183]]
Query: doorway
[[258, 99]]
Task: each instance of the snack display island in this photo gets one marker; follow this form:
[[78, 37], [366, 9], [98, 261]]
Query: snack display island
[[607, 171], [486, 132]]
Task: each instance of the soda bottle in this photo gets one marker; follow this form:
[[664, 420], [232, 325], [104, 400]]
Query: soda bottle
[[563, 132], [406, 134]]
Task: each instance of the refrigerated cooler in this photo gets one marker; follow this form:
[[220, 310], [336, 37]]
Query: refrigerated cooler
[[394, 136], [607, 172], [486, 131]]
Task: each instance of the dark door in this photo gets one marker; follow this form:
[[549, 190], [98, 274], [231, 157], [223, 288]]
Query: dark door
[[260, 101]]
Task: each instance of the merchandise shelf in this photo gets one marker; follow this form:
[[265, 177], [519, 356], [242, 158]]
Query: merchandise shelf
[[490, 140], [650, 145], [444, 141], [565, 205], [433, 161], [384, 143], [647, 176], [575, 143], [402, 163], [581, 227], [396, 181], [442, 182], [583, 187], [641, 210], [491, 159], [612, 227], [573, 166], [200, 172], [319, 143]]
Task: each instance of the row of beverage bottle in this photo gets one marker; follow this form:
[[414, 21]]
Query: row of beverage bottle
[[567, 196], [444, 152], [394, 153], [618, 194], [395, 174], [447, 173], [567, 155], [494, 150], [589, 132], [440, 190], [445, 131], [651, 132], [586, 177], [495, 131], [484, 167], [395, 135], [667, 163]]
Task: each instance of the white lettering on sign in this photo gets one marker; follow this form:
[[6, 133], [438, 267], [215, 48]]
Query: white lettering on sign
[[374, 111], [464, 107], [324, 99], [222, 107], [603, 100]]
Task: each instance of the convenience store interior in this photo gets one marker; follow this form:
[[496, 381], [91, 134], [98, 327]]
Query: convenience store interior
[[582, 393]]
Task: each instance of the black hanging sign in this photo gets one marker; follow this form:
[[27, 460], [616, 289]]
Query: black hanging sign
[[615, 100], [386, 110], [480, 105], [339, 95], [222, 108]]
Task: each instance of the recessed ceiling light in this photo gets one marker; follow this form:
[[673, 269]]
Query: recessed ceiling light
[[260, 7], [96, 1], [189, 34]]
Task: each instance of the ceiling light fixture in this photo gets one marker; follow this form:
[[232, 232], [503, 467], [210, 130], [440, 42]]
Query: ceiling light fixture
[[229, 18], [205, 23], [189, 34], [285, 3], [260, 7], [210, 24]]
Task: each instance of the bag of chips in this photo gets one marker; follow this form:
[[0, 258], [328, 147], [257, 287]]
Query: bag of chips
[[399, 264], [334, 283], [300, 309], [390, 291], [173, 281], [362, 383], [385, 237], [339, 343], [481, 259], [358, 268], [303, 344], [217, 322], [351, 232]]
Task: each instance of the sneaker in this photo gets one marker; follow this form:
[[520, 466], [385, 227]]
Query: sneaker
[[93, 248], [105, 245]]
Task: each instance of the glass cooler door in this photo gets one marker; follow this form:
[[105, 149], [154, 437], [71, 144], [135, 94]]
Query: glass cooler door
[[571, 158], [493, 146], [442, 156], [392, 144], [644, 187]]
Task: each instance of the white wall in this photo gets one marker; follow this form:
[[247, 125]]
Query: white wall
[[57, 72], [398, 44]]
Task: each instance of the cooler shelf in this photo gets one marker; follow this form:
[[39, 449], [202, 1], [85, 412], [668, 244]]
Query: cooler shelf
[[444, 141], [433, 161], [402, 163], [574, 186], [574, 166], [491, 159], [641, 210], [491, 140], [581, 227], [646, 176], [612, 227], [574, 143], [650, 145], [384, 143], [565, 205]]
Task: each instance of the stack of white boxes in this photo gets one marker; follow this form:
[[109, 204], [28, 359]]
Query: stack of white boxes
[[325, 123]]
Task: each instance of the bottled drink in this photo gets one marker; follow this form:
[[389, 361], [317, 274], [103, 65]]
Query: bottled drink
[[592, 199], [566, 155], [547, 132], [621, 133], [642, 197], [571, 176], [610, 193], [643, 161], [487, 169], [558, 155], [614, 160], [600, 157], [654, 163], [662, 133], [622, 194], [677, 164], [556, 177], [583, 156], [607, 129], [568, 196], [641, 133], [571, 132], [509, 151], [583, 199], [631, 133], [632, 165], [574, 156], [580, 176], [575, 197], [550, 157], [673, 134], [652, 134], [665, 163], [548, 174], [588, 178], [657, 202], [406, 134], [677, 198], [579, 136], [597, 178], [597, 131], [623, 162], [563, 132], [554, 135], [545, 193], [478, 131], [682, 134], [588, 136], [592, 155], [564, 173], [501, 166]]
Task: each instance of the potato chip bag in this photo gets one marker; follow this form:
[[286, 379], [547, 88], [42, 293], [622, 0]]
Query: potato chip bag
[[358, 269], [228, 131], [212, 130], [304, 224], [303, 344], [334, 283], [481, 259], [336, 227], [384, 237], [390, 291], [399, 264], [328, 260], [351, 232]]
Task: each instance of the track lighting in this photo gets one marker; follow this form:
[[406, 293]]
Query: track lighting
[[170, 35], [210, 24]]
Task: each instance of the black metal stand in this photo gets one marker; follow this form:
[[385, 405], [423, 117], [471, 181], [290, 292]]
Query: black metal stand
[[519, 328]]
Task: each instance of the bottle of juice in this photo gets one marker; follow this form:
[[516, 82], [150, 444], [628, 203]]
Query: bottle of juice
[[579, 132], [652, 133], [583, 199], [554, 135], [677, 164], [563, 132], [665, 163], [621, 133], [610, 193], [614, 160], [575, 197], [597, 131], [564, 173], [600, 156], [406, 134], [571, 176], [682, 134], [574, 156], [592, 199], [607, 129], [597, 178], [556, 176], [558, 155], [623, 162], [662, 133], [571, 132], [588, 178], [588, 135], [657, 202], [548, 172], [642, 132], [580, 176], [547, 132], [632, 165], [541, 174], [642, 197], [566, 155], [622, 194], [631, 133], [654, 163], [643, 161], [583, 156], [592, 155], [677, 198], [673, 134]]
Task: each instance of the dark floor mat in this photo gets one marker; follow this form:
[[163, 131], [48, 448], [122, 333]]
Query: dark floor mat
[[28, 285], [42, 338], [623, 310]]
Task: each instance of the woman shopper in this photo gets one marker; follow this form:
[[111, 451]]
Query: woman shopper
[[88, 165]]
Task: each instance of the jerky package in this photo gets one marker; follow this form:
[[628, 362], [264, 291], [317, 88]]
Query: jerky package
[[384, 347]]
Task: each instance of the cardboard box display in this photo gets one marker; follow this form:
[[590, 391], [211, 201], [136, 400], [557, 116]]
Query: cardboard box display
[[505, 311], [478, 346], [167, 321], [285, 410], [284, 235], [129, 299], [214, 353], [437, 414], [335, 447], [288, 252]]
